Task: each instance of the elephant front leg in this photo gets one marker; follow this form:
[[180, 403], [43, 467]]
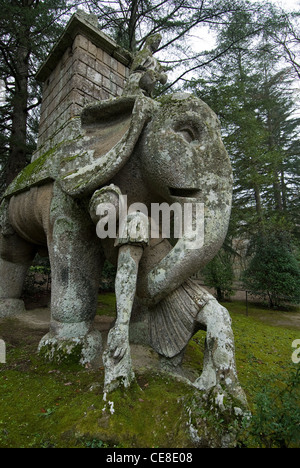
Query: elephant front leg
[[117, 357], [219, 368]]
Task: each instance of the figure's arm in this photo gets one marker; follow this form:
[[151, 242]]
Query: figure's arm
[[125, 284], [125, 288], [133, 236]]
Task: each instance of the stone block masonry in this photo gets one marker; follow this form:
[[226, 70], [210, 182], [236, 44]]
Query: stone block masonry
[[84, 66]]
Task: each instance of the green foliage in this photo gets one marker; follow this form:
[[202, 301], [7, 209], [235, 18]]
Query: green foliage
[[276, 422], [38, 279], [107, 280], [253, 95], [131, 23], [94, 444], [274, 271], [28, 30], [218, 274]]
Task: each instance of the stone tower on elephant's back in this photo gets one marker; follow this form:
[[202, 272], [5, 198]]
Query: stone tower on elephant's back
[[84, 66]]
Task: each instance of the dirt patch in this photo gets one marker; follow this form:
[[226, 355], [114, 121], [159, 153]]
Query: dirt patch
[[24, 332], [282, 319], [18, 334]]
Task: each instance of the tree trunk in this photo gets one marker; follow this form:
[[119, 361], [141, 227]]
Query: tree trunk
[[220, 296], [283, 189], [17, 151], [258, 204], [132, 25], [277, 193]]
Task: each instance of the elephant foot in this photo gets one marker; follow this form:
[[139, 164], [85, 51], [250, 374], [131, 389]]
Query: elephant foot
[[85, 349], [206, 381], [117, 360], [11, 307], [117, 375], [223, 388]]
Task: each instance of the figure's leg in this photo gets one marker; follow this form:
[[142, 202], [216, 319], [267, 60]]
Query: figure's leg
[[219, 368], [117, 358], [16, 256], [75, 256]]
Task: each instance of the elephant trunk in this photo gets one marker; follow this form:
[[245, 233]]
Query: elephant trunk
[[187, 257]]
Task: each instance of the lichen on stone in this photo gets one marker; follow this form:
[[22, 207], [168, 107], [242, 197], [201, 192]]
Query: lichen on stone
[[63, 352]]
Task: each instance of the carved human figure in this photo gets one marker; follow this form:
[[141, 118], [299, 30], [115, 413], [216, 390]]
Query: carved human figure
[[145, 71]]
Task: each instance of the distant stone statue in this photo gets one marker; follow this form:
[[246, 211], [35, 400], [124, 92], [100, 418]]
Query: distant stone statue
[[165, 151], [145, 71]]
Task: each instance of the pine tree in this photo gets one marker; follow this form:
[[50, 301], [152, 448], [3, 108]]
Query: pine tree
[[250, 89], [28, 29], [274, 271], [180, 22], [253, 97], [218, 274]]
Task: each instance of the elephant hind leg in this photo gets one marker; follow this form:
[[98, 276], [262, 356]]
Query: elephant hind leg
[[76, 261], [16, 256]]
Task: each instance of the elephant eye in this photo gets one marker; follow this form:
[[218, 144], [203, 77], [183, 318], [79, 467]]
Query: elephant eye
[[187, 134]]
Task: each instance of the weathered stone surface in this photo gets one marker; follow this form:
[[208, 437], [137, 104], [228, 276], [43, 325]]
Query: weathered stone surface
[[173, 148], [145, 71], [85, 349], [153, 151], [11, 307], [106, 136]]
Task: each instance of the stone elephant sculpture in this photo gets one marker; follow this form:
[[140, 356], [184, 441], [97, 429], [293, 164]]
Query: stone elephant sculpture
[[164, 150]]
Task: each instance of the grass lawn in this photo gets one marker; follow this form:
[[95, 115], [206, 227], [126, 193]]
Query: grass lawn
[[107, 304], [262, 349], [43, 405]]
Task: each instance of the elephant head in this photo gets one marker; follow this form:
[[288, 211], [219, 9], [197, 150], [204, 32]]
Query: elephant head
[[176, 146], [184, 158]]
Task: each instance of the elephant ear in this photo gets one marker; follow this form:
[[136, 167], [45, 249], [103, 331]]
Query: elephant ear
[[110, 131], [172, 322]]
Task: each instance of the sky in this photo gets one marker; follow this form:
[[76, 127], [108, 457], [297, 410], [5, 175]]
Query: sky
[[288, 4], [203, 39], [204, 43]]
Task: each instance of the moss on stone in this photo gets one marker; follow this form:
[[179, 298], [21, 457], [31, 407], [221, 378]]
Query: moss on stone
[[67, 352], [42, 169], [148, 414], [33, 174]]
